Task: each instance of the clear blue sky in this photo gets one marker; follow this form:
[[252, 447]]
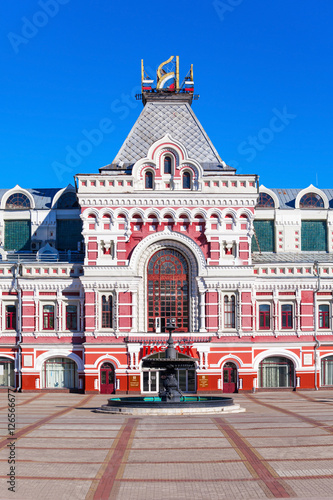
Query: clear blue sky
[[253, 61]]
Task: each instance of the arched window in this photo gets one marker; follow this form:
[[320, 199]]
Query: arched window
[[17, 201], [311, 200], [167, 165], [186, 180], [276, 372], [229, 311], [327, 371], [265, 201], [168, 291], [67, 200], [149, 180], [107, 311], [59, 373]]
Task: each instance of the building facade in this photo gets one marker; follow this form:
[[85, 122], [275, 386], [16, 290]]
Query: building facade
[[89, 275]]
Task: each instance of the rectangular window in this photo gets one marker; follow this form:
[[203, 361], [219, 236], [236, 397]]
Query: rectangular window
[[107, 311], [264, 236], [17, 235], [71, 317], [11, 317], [324, 320], [314, 236], [69, 234], [48, 317], [264, 317], [287, 316], [229, 312]]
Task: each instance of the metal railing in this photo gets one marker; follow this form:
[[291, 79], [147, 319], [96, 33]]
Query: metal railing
[[31, 257]]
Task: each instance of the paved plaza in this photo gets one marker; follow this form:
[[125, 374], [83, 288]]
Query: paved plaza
[[281, 447]]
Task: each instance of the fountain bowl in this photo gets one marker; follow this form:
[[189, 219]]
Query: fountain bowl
[[188, 405]]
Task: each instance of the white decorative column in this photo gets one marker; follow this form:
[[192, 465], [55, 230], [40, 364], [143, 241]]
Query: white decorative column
[[58, 325], [203, 351], [116, 315], [133, 351], [298, 312], [97, 319], [82, 312], [220, 309], [134, 311], [238, 312], [202, 306], [275, 312]]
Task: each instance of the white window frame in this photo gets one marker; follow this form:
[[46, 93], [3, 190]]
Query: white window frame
[[8, 302], [293, 316], [48, 302], [229, 295], [71, 303], [113, 312], [271, 318], [324, 302]]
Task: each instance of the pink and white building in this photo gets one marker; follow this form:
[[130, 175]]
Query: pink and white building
[[89, 275]]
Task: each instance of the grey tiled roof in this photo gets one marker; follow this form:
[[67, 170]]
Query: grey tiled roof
[[42, 197], [177, 119], [291, 258], [287, 197]]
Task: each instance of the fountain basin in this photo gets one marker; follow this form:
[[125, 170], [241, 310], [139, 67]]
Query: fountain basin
[[188, 405]]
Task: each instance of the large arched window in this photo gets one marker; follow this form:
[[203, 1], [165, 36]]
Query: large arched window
[[276, 372], [59, 373], [17, 201], [311, 200], [265, 201], [67, 200], [149, 180], [168, 290], [167, 165]]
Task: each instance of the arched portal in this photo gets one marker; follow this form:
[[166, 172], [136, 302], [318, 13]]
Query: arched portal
[[59, 373], [168, 290], [107, 378], [276, 372], [230, 377]]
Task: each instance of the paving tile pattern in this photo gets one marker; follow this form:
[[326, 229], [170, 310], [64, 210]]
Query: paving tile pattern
[[282, 447]]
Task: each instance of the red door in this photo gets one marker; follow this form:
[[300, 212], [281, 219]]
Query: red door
[[107, 378], [229, 378]]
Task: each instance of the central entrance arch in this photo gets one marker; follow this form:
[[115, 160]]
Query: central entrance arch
[[168, 290]]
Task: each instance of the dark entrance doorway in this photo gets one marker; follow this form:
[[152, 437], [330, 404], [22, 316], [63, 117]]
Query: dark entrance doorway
[[107, 378], [229, 378]]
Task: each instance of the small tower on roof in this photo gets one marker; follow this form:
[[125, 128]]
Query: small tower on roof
[[167, 86]]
